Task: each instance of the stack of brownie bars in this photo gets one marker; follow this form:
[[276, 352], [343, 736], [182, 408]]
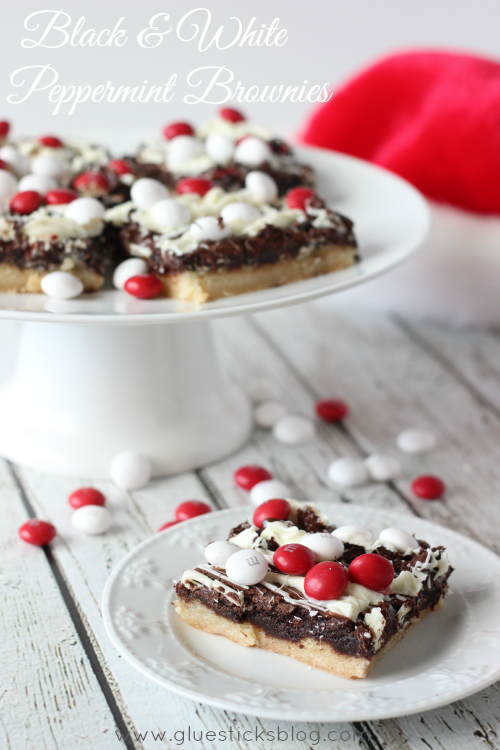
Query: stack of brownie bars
[[223, 210], [345, 634]]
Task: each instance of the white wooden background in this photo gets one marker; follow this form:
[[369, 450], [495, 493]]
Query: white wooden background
[[62, 683]]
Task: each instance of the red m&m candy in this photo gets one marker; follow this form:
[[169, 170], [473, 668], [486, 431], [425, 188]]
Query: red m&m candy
[[50, 141], [226, 113], [86, 496], [177, 128], [373, 571], [94, 182], [119, 166], [332, 410], [37, 532], [191, 509], [143, 286], [294, 559], [247, 477], [194, 185], [326, 580], [298, 197], [168, 525], [428, 487], [277, 509], [25, 202], [59, 196], [4, 128]]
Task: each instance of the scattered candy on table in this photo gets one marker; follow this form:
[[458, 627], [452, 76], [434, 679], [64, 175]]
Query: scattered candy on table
[[262, 389], [373, 571], [129, 470], [428, 487], [191, 509], [247, 477], [37, 532], [246, 567], [348, 472], [61, 285], [86, 496], [91, 519], [327, 580], [332, 410], [277, 509], [325, 546], [294, 559], [382, 468], [268, 413], [218, 553], [416, 440], [268, 490], [399, 539], [293, 430]]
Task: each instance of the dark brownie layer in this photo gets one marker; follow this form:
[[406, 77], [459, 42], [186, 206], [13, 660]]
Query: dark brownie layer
[[270, 245], [44, 255]]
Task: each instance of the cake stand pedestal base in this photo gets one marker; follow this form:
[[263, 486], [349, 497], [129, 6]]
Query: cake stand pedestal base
[[81, 394]]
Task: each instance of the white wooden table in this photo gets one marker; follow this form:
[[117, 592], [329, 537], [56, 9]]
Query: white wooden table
[[64, 686]]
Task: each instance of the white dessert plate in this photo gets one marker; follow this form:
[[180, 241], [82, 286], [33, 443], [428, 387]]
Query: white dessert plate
[[451, 654], [391, 220]]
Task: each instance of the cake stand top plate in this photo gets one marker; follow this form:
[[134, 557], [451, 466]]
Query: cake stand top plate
[[391, 220]]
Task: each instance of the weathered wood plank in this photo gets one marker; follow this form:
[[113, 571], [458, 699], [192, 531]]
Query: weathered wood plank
[[49, 690]]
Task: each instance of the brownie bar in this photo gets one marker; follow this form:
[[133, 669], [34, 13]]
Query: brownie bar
[[278, 608]]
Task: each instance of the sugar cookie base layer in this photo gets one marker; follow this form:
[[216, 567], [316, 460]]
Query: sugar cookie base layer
[[307, 650], [21, 280], [203, 286]]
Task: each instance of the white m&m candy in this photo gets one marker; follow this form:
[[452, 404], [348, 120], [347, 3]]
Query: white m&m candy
[[353, 534], [293, 430], [128, 268], [382, 468], [183, 148], [83, 210], [41, 183], [252, 151], [324, 545], [207, 228], [16, 160], [348, 472], [240, 211], [8, 186], [268, 413], [261, 186], [218, 553], [170, 213], [270, 489], [219, 148], [246, 567], [51, 166], [129, 470], [145, 192], [399, 539], [416, 440], [61, 285], [91, 519]]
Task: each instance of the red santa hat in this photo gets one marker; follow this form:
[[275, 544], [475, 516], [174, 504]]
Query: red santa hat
[[431, 117]]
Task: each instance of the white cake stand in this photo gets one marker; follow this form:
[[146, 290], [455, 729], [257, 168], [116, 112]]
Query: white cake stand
[[106, 373]]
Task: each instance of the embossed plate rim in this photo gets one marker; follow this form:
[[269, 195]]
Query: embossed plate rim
[[194, 678]]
